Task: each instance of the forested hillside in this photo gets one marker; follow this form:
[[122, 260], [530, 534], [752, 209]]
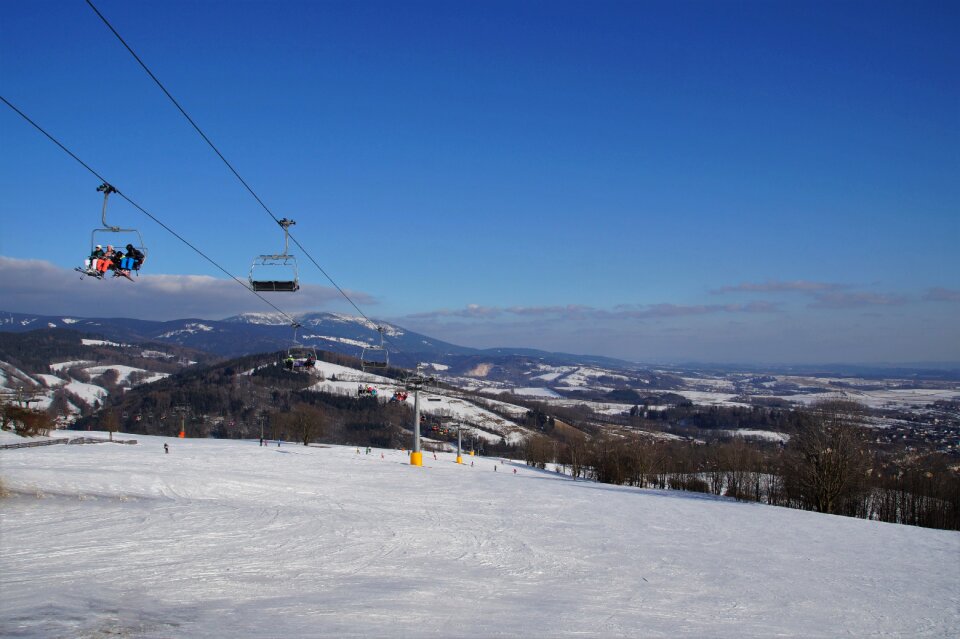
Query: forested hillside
[[254, 395]]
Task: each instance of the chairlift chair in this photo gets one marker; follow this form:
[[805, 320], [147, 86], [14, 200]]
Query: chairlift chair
[[300, 356], [299, 351], [109, 235], [276, 273], [375, 356]]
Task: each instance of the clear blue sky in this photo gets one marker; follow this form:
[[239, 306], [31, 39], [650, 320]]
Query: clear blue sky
[[723, 181]]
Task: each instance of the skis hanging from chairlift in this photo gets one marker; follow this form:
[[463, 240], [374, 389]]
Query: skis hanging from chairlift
[[276, 273], [128, 258]]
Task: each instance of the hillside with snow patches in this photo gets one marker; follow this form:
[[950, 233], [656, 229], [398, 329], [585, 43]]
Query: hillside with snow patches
[[449, 405], [472, 413], [608, 388], [226, 538], [86, 382]]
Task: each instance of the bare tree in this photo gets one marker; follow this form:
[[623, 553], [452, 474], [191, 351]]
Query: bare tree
[[110, 422], [306, 422], [538, 451], [574, 454], [829, 462], [26, 422], [643, 455], [742, 462]]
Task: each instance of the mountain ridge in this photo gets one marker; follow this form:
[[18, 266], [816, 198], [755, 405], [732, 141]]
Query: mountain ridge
[[249, 333]]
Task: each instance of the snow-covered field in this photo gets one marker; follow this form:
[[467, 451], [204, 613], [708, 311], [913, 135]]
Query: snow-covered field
[[707, 398], [537, 391], [768, 435], [93, 342], [62, 366], [229, 539], [892, 397], [124, 372]]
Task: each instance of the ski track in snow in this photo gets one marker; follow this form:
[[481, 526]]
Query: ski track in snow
[[226, 538]]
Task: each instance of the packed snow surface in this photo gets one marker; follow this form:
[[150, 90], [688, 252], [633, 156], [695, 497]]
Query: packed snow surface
[[230, 539]]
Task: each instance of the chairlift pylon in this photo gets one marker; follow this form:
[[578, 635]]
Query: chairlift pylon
[[276, 273]]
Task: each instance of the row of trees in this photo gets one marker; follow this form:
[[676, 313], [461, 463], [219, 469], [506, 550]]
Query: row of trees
[[26, 422], [826, 467]]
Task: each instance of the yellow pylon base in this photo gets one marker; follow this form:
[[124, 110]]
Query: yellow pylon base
[[471, 453], [459, 459], [416, 459]]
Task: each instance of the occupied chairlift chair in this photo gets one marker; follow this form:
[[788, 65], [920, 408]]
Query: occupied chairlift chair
[[108, 234], [276, 273], [300, 356]]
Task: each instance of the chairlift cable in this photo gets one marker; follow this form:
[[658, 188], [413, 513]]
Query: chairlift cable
[[140, 208], [224, 159], [180, 108]]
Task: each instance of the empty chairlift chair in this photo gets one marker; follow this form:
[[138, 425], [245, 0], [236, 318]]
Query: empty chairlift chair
[[276, 273], [375, 356]]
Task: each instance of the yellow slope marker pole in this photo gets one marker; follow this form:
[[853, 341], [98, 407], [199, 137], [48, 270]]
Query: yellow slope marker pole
[[416, 383], [459, 456]]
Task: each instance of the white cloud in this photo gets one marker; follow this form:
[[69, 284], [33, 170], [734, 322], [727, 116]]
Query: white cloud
[[942, 295], [37, 286], [776, 286], [856, 300]]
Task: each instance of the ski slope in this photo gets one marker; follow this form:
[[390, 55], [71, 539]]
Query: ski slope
[[230, 539]]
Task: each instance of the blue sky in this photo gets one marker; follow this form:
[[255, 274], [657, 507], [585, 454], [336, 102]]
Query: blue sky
[[712, 181]]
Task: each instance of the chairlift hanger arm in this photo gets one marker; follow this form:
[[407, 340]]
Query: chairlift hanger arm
[[107, 189], [285, 224]]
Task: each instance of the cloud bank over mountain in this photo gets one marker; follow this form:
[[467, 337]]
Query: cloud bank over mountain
[[771, 322], [37, 286]]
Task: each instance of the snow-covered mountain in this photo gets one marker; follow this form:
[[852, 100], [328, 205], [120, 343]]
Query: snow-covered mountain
[[250, 333]]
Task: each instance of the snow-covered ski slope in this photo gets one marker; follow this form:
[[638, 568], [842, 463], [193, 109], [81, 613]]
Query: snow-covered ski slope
[[228, 539]]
